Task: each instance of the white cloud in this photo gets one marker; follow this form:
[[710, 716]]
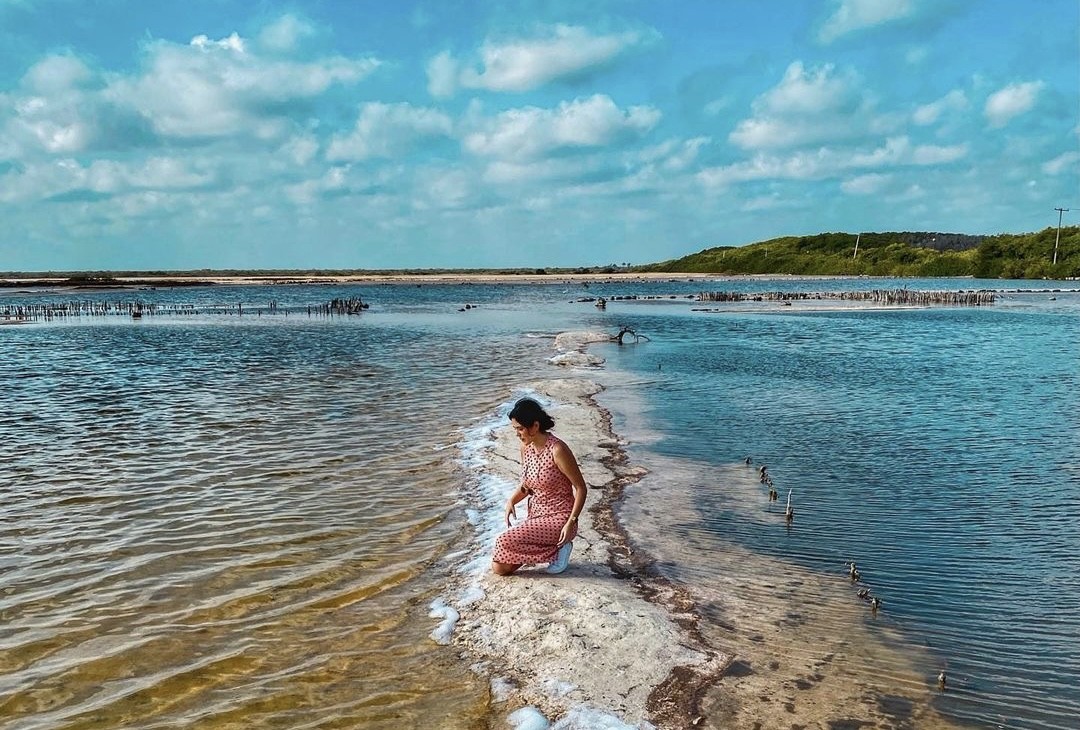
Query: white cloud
[[954, 101], [300, 149], [523, 64], [285, 34], [59, 109], [442, 72], [387, 130], [865, 184], [218, 88], [807, 106], [855, 15], [684, 154], [590, 122], [232, 43], [827, 162], [1065, 162], [1011, 101], [104, 178], [57, 74], [334, 180], [929, 154], [560, 169]]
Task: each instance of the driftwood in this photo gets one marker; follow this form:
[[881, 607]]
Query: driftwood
[[628, 331]]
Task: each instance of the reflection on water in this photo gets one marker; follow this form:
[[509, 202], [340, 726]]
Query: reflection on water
[[234, 525], [226, 522], [938, 449]]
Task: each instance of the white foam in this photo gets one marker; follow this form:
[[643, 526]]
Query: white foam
[[449, 616], [579, 718], [587, 718], [528, 718]]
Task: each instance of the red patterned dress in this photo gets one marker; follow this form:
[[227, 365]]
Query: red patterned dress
[[551, 501]]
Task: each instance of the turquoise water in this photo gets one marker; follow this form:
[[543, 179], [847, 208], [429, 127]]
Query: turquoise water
[[939, 449], [216, 520]]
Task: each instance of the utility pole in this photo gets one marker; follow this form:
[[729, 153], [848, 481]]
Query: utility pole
[[856, 246], [1058, 238]]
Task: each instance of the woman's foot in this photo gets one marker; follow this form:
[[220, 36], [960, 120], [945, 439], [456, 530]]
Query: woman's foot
[[561, 560]]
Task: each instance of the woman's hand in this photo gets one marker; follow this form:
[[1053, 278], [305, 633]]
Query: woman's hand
[[511, 512], [566, 532]]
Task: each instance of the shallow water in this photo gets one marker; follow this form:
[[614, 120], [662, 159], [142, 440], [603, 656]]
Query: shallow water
[[938, 449], [236, 523], [215, 520]]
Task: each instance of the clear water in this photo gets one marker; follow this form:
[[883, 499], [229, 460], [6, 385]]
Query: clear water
[[238, 521], [939, 449]]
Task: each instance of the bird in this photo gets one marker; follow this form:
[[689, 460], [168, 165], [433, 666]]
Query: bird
[[875, 604], [748, 460], [789, 512], [941, 680], [853, 572], [864, 594], [772, 494]]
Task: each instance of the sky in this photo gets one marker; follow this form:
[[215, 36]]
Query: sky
[[369, 134]]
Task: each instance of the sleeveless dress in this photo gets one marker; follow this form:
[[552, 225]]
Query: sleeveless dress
[[551, 501]]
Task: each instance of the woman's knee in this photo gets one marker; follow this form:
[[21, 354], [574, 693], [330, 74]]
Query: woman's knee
[[503, 568]]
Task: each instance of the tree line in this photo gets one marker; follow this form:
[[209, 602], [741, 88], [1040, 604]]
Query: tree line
[[1003, 256]]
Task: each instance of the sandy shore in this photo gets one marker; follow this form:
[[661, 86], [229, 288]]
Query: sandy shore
[[612, 644], [404, 278]]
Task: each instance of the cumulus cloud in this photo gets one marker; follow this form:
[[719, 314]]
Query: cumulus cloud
[[954, 101], [332, 182], [850, 16], [68, 179], [807, 106], [57, 74], [564, 51], [218, 88], [1015, 99], [595, 121], [826, 162], [388, 130], [60, 108]]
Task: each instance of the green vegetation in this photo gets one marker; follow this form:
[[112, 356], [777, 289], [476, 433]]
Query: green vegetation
[[1006, 256]]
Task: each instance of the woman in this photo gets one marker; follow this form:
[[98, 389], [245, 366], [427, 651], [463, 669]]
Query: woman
[[551, 479]]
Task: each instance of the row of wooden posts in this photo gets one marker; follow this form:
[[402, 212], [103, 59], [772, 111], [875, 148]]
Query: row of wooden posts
[[137, 310], [973, 298]]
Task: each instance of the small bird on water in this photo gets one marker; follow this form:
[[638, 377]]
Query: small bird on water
[[941, 680], [853, 572]]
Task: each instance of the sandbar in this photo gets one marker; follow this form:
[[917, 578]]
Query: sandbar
[[613, 643]]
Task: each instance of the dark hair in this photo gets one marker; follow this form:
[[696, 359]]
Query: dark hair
[[527, 412]]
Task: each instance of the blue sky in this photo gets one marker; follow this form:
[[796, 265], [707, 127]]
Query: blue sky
[[375, 134]]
